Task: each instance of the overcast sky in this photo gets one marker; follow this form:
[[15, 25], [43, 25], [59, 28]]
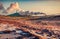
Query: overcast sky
[[48, 7]]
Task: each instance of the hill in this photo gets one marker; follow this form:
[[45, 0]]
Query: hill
[[55, 17], [15, 14], [52, 17]]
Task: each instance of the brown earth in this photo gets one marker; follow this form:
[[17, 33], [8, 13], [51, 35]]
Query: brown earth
[[30, 26]]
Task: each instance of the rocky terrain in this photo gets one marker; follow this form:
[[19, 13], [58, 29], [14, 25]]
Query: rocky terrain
[[23, 28], [16, 23]]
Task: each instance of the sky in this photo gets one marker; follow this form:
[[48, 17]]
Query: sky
[[50, 7]]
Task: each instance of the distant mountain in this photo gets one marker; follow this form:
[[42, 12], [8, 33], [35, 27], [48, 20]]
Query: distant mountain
[[15, 14], [56, 17]]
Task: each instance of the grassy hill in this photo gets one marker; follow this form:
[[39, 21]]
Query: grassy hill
[[15, 14]]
